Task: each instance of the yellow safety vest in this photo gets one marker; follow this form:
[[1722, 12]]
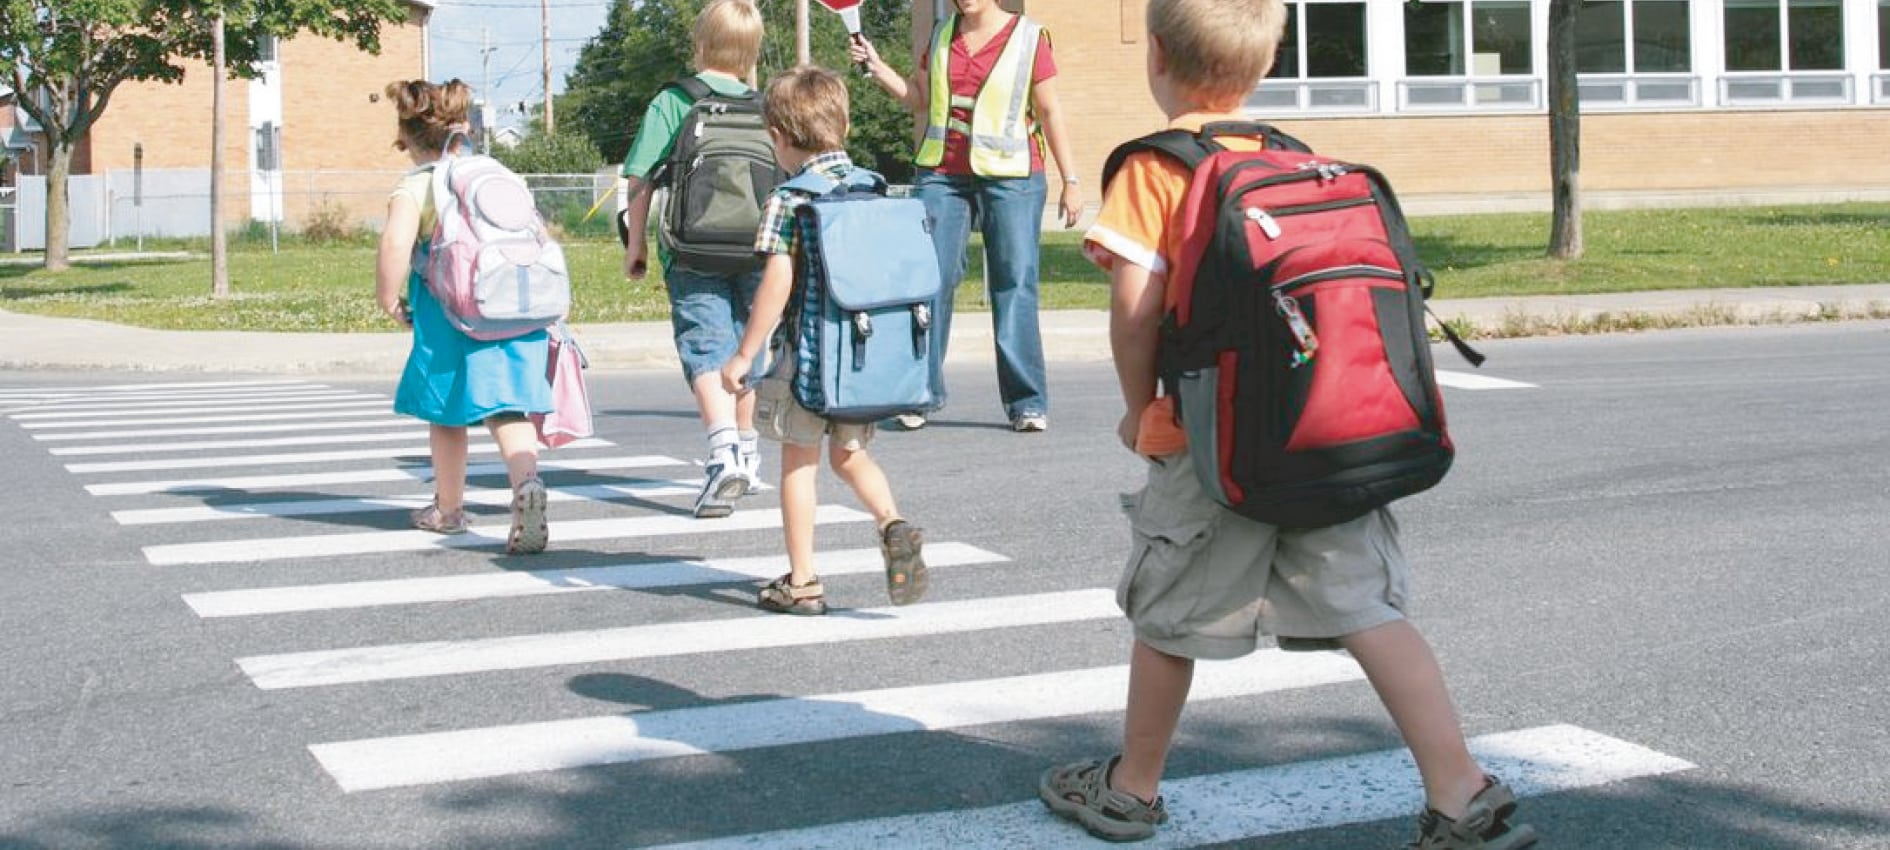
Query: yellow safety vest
[[1000, 130]]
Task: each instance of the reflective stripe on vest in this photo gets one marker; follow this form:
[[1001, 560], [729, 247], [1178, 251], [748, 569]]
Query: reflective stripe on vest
[[999, 131]]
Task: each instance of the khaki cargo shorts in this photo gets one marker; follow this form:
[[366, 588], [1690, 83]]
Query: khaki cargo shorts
[[780, 418], [1204, 582]]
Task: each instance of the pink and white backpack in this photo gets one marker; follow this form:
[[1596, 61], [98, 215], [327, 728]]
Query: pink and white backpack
[[491, 264]]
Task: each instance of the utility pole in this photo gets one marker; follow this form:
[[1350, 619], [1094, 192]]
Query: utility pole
[[551, 128], [485, 87], [803, 40], [219, 245]]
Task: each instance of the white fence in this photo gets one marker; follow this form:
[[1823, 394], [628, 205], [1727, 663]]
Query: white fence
[[121, 206]]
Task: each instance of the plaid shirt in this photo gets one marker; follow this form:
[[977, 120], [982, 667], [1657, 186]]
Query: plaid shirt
[[778, 234]]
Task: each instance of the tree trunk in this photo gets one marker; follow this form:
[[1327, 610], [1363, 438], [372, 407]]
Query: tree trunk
[[1565, 137], [58, 207], [219, 243]]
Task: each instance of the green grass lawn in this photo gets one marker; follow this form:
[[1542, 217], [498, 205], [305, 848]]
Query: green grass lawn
[[330, 288]]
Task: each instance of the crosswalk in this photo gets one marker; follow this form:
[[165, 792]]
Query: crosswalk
[[281, 488]]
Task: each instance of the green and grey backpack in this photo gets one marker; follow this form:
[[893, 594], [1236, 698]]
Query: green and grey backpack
[[719, 172]]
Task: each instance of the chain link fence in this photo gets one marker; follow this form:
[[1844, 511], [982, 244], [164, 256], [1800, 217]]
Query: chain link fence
[[133, 206]]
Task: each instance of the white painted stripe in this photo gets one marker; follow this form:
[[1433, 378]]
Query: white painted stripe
[[220, 420], [165, 386], [54, 420], [409, 435], [143, 433], [479, 536], [152, 407], [638, 576], [322, 507], [642, 736], [1467, 381], [225, 395], [1248, 804], [61, 411], [291, 458], [417, 472], [762, 631]]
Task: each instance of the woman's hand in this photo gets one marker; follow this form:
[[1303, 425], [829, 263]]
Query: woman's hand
[[1129, 429], [863, 53], [1071, 203]]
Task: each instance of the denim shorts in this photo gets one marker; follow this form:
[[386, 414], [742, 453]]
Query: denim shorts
[[1205, 582], [708, 314]]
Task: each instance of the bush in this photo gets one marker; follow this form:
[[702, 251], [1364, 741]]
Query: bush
[[329, 222], [560, 153]]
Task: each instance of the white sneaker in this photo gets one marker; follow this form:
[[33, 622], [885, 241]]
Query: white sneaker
[[722, 483], [748, 460]]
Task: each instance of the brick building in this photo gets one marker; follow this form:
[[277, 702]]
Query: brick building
[[311, 130], [1709, 99]]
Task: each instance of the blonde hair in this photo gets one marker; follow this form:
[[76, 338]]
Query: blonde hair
[[429, 114], [809, 106], [727, 36], [1218, 49]]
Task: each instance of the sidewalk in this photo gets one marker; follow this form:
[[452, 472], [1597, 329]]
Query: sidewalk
[[35, 342]]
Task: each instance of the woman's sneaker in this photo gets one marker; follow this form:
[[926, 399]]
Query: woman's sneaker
[[1484, 825], [1080, 792]]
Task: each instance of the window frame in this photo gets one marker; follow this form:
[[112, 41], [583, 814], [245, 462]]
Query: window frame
[[1819, 87], [1632, 80], [1474, 90], [1304, 86]]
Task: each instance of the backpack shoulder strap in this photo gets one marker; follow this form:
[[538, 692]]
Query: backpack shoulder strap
[[812, 183], [865, 180], [1183, 146], [692, 87]]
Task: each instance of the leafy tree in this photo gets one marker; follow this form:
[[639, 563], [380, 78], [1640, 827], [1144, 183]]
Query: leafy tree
[[65, 58], [645, 43], [563, 152]]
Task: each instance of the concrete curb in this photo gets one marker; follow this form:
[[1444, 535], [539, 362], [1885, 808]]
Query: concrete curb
[[39, 342]]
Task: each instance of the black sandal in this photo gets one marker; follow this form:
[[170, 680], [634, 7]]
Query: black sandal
[[782, 596]]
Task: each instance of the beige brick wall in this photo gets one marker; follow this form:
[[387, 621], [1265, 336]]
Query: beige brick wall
[[337, 129]]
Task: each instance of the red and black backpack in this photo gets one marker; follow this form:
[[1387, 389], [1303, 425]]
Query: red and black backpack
[[1293, 337]]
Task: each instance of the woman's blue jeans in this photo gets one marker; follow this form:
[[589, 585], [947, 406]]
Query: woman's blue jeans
[[1011, 212]]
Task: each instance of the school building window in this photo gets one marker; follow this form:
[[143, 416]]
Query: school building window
[[1469, 54], [1882, 79], [1321, 64], [1636, 53], [1789, 51]]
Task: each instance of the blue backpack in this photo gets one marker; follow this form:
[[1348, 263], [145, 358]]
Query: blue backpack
[[870, 287]]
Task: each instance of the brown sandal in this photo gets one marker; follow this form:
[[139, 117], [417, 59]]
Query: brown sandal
[[782, 596]]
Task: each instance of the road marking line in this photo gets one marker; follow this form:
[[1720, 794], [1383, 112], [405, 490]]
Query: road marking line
[[140, 433], [61, 409], [165, 386], [416, 472], [56, 401], [763, 631], [409, 434], [59, 420], [1248, 804], [1467, 381], [187, 420], [637, 576], [616, 739], [290, 458], [479, 536], [634, 489]]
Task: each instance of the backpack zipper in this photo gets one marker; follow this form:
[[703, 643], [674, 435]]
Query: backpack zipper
[[1268, 220]]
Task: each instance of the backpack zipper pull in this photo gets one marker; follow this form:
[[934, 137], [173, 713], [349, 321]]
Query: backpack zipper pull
[[1268, 224], [1304, 339]]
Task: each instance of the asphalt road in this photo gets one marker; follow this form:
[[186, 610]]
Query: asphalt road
[[1656, 579]]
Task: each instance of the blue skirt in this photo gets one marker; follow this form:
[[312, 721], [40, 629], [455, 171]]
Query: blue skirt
[[453, 379]]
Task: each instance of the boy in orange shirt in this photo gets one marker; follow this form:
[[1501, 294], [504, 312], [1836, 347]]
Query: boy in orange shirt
[[1202, 581]]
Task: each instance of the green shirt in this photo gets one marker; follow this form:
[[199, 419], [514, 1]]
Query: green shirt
[[663, 120]]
